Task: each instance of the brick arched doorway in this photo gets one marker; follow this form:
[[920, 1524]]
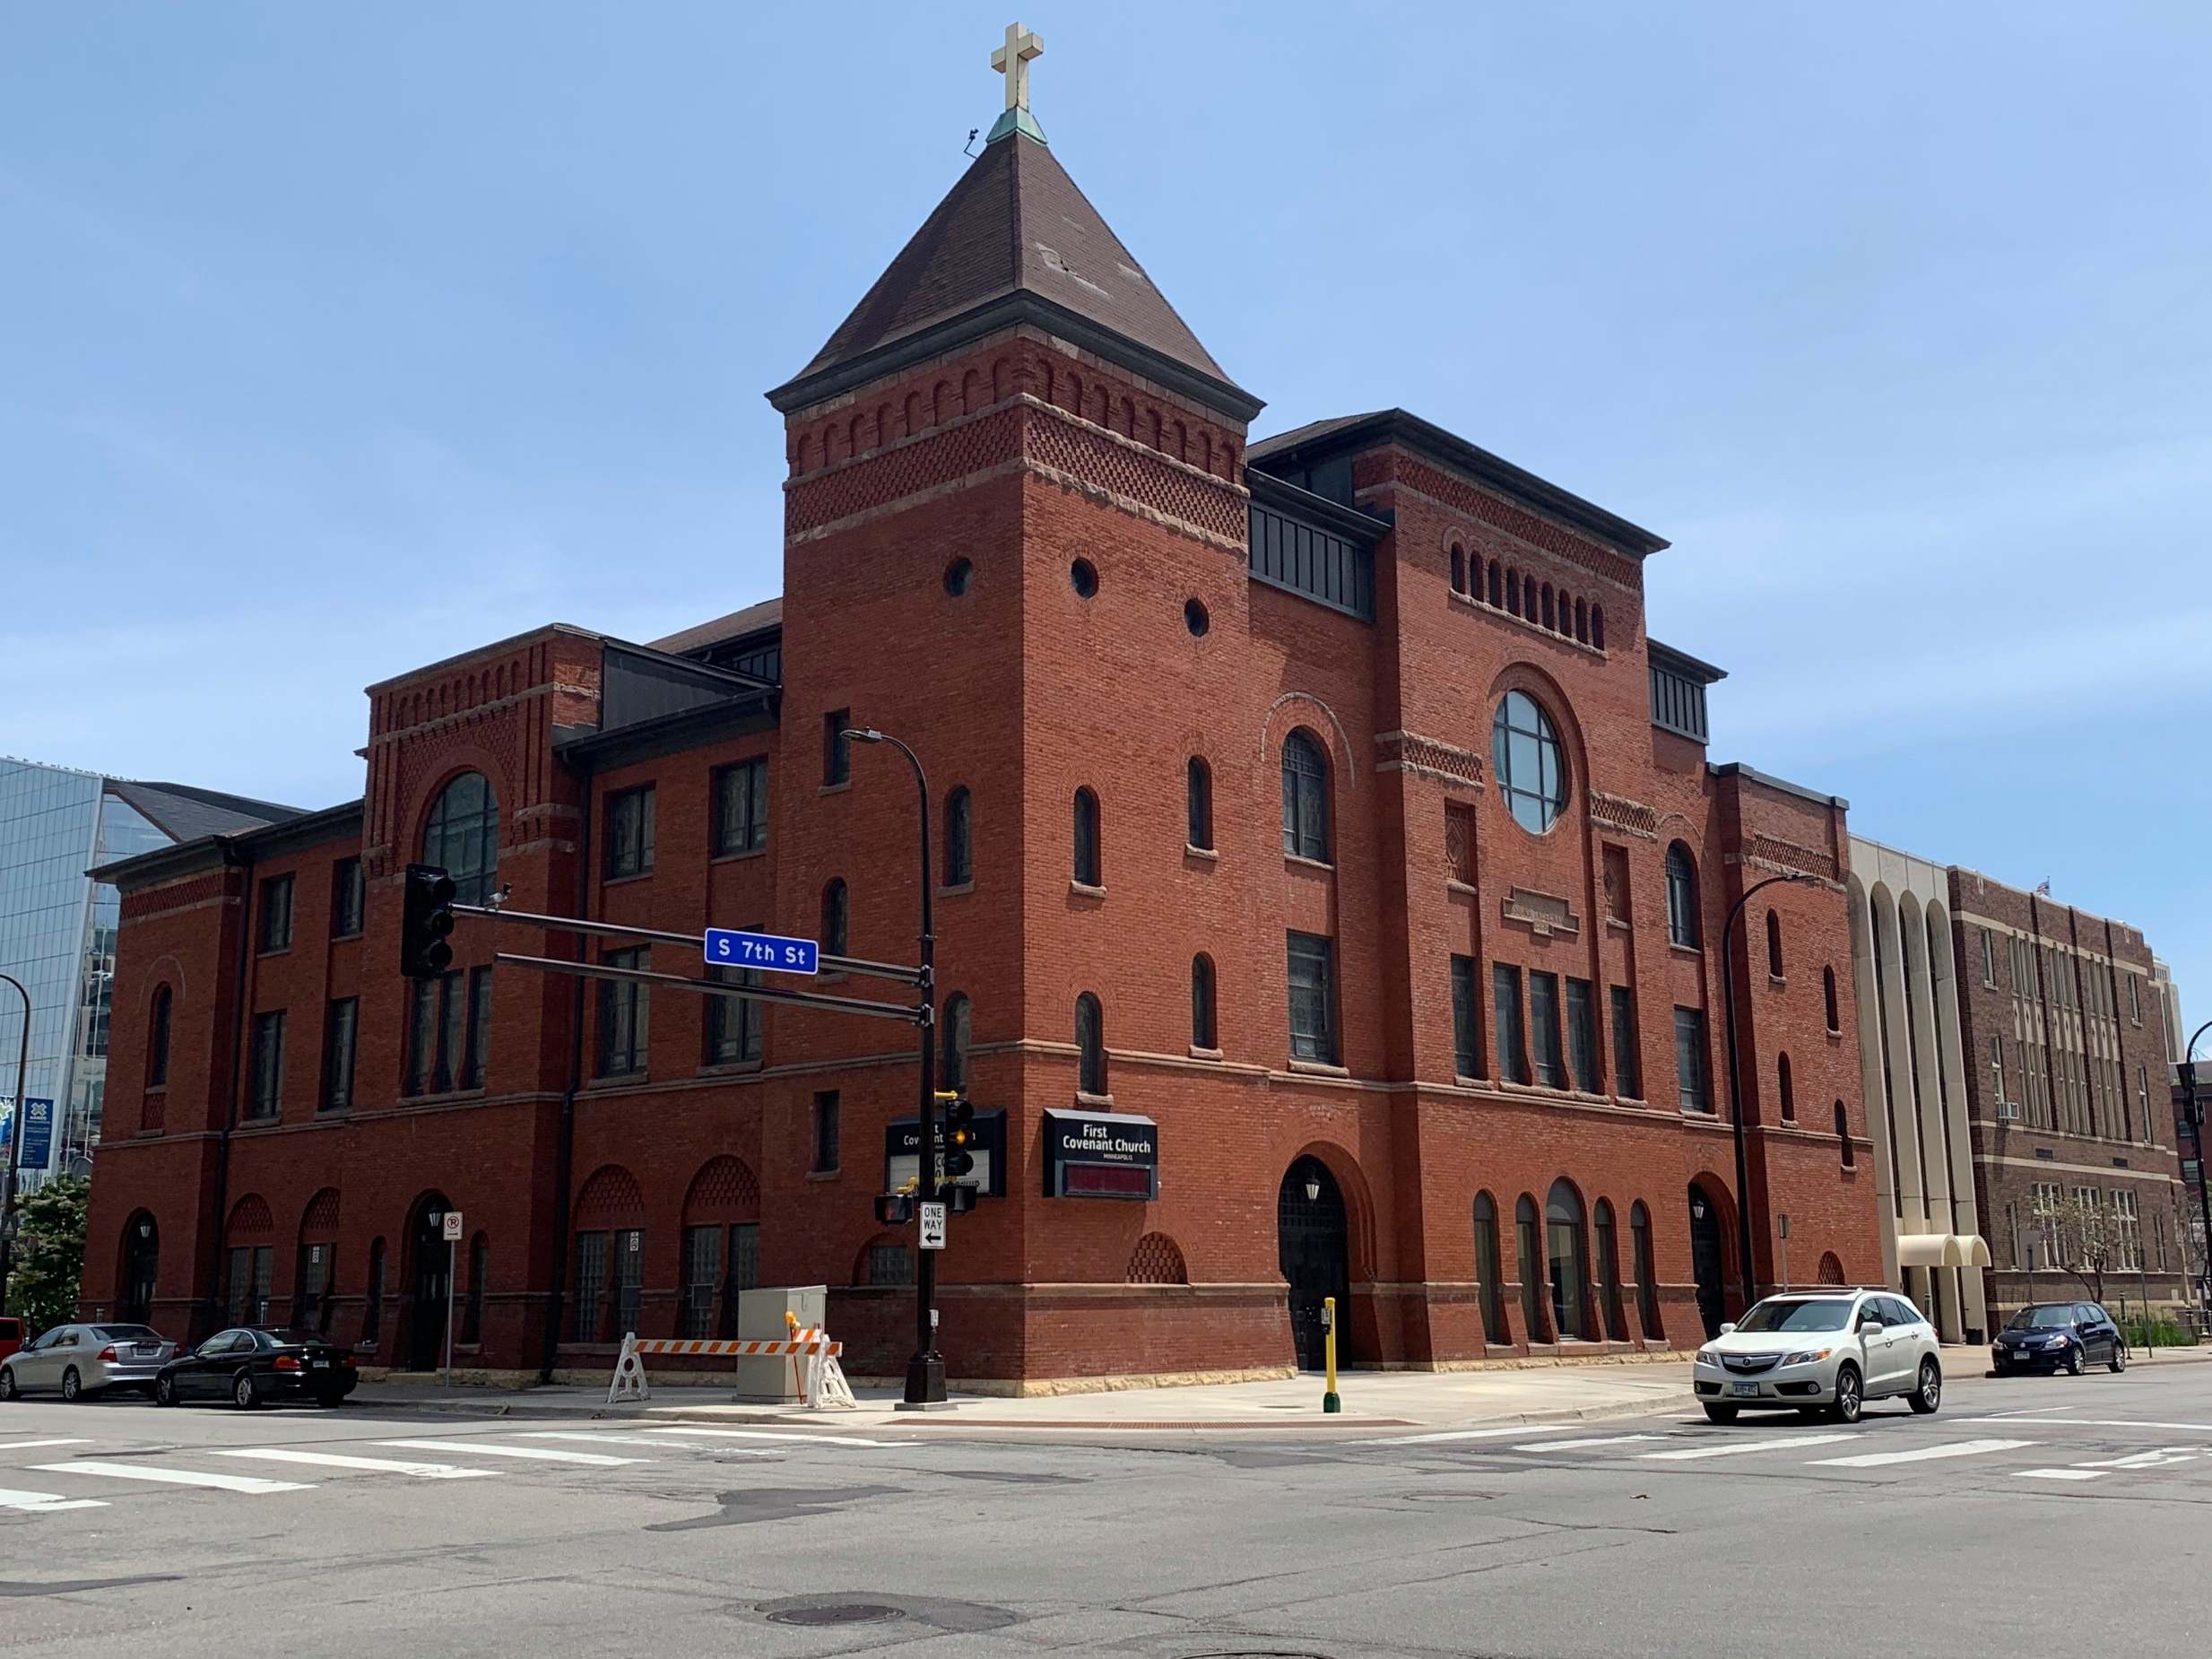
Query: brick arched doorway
[[1315, 1242]]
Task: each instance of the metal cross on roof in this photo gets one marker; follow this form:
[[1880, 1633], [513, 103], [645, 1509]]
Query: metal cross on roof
[[1013, 61]]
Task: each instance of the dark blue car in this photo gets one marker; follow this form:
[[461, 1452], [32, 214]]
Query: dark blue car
[[2058, 1336]]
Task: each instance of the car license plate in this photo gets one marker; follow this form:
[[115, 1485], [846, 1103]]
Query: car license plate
[[320, 1365], [1744, 1388]]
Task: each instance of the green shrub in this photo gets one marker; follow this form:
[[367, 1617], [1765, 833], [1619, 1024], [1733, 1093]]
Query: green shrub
[[2160, 1332]]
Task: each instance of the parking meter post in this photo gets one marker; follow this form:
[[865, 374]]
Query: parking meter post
[[452, 1248], [1329, 1400]]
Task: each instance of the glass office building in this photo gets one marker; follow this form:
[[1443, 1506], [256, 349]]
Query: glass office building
[[57, 935]]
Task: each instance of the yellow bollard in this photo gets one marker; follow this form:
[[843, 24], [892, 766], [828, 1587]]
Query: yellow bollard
[[1329, 1402]]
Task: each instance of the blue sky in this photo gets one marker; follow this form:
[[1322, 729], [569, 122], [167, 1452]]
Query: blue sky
[[336, 339]]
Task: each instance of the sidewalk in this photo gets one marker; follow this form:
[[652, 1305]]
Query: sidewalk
[[1371, 1399]]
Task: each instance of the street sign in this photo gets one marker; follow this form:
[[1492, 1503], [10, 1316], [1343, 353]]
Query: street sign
[[932, 1226], [728, 947], [453, 1226]]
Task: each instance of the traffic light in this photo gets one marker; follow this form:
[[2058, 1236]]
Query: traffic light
[[425, 918], [957, 1135]]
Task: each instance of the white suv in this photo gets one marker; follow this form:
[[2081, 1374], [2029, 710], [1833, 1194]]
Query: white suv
[[1822, 1352]]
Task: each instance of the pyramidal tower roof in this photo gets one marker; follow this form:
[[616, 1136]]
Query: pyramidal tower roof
[[1015, 241]]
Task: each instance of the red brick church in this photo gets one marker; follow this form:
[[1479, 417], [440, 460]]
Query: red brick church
[[1329, 896]]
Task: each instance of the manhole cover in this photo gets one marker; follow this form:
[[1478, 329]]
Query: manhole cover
[[836, 1612]]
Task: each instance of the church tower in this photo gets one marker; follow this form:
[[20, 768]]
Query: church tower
[[1015, 531]]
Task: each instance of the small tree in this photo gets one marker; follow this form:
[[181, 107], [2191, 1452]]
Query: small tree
[[50, 1252], [2081, 1239]]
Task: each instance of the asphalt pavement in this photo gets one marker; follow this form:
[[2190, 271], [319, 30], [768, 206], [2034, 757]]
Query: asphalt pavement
[[2026, 1505]]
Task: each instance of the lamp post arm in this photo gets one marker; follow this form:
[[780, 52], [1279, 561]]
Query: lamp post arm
[[1735, 1084]]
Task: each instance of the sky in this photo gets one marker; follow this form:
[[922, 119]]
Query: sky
[[335, 340]]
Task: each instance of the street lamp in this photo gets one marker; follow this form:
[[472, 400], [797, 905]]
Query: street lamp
[[926, 1370], [15, 1144], [1735, 1075], [2195, 1107]]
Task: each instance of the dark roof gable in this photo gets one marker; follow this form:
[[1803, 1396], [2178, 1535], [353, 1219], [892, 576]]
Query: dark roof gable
[[1014, 240]]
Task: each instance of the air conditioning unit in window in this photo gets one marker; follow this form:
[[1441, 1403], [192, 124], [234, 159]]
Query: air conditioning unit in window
[[2008, 1111]]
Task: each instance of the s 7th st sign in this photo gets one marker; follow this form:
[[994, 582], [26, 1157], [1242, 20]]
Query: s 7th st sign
[[729, 947]]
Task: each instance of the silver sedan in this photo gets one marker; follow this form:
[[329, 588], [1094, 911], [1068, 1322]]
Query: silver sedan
[[79, 1360]]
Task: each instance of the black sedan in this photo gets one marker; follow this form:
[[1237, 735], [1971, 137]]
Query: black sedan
[[2051, 1336], [250, 1364]]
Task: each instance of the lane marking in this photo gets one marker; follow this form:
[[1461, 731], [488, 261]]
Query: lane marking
[[1730, 1448], [766, 1434], [41, 1501], [1954, 1448], [373, 1465], [24, 1445], [248, 1484], [544, 1453], [2060, 1474], [1585, 1446], [2149, 1460], [639, 1439], [2090, 1422], [1464, 1434]]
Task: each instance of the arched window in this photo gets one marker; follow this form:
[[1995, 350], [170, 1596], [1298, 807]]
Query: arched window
[[462, 837], [1198, 804], [1496, 597], [1774, 944], [1549, 621], [1513, 590], [1531, 1266], [1090, 1066], [1581, 620], [372, 1310], [472, 1309], [1529, 764], [1458, 569], [1782, 1089], [141, 1264], [835, 906], [1567, 1254], [1647, 1278], [1683, 925], [1305, 796], [1831, 1268], [1597, 626], [952, 1043], [1828, 998], [1608, 1272], [1843, 1135], [959, 851], [1204, 1034], [1490, 1280], [1088, 869], [157, 1040]]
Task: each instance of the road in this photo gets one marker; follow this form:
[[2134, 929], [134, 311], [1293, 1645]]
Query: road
[[2030, 1512]]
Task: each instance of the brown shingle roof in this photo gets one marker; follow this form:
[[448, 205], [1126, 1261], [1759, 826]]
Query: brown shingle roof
[[1014, 223], [751, 619]]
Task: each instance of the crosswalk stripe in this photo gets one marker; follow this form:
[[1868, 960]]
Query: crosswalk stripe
[[174, 1477], [1585, 1446], [339, 1460], [639, 1439], [46, 1500], [1953, 1448], [2060, 1474], [766, 1434], [1730, 1448], [24, 1445], [544, 1453], [1460, 1434]]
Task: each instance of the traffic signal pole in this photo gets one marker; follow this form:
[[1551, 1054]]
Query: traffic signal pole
[[925, 1371]]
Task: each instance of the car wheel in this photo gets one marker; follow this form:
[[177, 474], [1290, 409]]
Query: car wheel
[[165, 1391], [2119, 1358], [243, 1393], [1929, 1395], [73, 1386], [1720, 1413], [2073, 1360], [8, 1389], [1849, 1401]]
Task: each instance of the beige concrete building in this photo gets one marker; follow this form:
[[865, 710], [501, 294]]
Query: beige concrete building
[[1913, 1058]]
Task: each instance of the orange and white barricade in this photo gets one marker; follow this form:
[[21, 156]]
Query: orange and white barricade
[[816, 1374]]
